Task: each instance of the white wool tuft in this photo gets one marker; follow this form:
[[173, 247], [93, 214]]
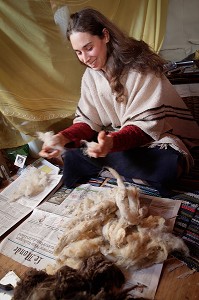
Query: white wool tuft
[[50, 140], [88, 147], [33, 183]]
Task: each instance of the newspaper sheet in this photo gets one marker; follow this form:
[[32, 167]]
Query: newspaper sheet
[[12, 211], [32, 243], [9, 278]]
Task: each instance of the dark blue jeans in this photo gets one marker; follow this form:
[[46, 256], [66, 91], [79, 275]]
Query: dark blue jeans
[[156, 166]]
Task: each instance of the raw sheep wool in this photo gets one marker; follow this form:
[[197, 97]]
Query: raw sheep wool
[[33, 183], [50, 140], [114, 224], [96, 279]]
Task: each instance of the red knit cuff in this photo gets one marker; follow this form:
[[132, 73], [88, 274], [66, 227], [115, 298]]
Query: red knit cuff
[[77, 132], [129, 137]]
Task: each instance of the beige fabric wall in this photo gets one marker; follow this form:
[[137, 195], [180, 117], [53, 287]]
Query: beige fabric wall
[[182, 29], [183, 16], [39, 73]]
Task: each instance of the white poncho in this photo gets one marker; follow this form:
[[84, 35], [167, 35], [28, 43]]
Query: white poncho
[[152, 104]]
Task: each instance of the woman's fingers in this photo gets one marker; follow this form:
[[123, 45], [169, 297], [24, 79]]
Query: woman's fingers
[[101, 138], [49, 153]]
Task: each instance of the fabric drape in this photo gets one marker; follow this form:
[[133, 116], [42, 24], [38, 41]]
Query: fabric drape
[[39, 74]]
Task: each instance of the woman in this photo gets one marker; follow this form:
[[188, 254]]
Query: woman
[[141, 126]]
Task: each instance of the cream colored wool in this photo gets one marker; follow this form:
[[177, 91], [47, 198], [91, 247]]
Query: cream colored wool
[[73, 254], [118, 227], [50, 140], [33, 183], [78, 250], [82, 225], [127, 201], [142, 249], [114, 231]]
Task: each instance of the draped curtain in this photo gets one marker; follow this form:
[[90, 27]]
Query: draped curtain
[[39, 74]]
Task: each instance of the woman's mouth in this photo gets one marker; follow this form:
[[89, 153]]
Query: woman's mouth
[[93, 64]]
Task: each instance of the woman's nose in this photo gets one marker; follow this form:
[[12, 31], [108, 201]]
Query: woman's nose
[[85, 58]]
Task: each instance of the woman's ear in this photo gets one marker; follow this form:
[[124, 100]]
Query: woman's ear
[[106, 35]]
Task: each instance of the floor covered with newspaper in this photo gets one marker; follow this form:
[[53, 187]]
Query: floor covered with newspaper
[[33, 242]]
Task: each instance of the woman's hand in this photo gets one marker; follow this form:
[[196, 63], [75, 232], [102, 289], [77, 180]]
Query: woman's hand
[[102, 148], [54, 146]]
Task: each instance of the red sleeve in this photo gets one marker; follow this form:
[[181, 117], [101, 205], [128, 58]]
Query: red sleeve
[[129, 137], [77, 132]]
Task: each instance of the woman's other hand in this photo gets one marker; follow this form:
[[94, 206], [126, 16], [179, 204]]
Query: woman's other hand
[[103, 147], [53, 146]]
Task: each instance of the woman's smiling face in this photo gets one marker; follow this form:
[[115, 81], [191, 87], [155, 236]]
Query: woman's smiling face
[[90, 49]]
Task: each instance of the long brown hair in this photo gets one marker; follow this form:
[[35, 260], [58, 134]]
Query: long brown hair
[[124, 52]]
